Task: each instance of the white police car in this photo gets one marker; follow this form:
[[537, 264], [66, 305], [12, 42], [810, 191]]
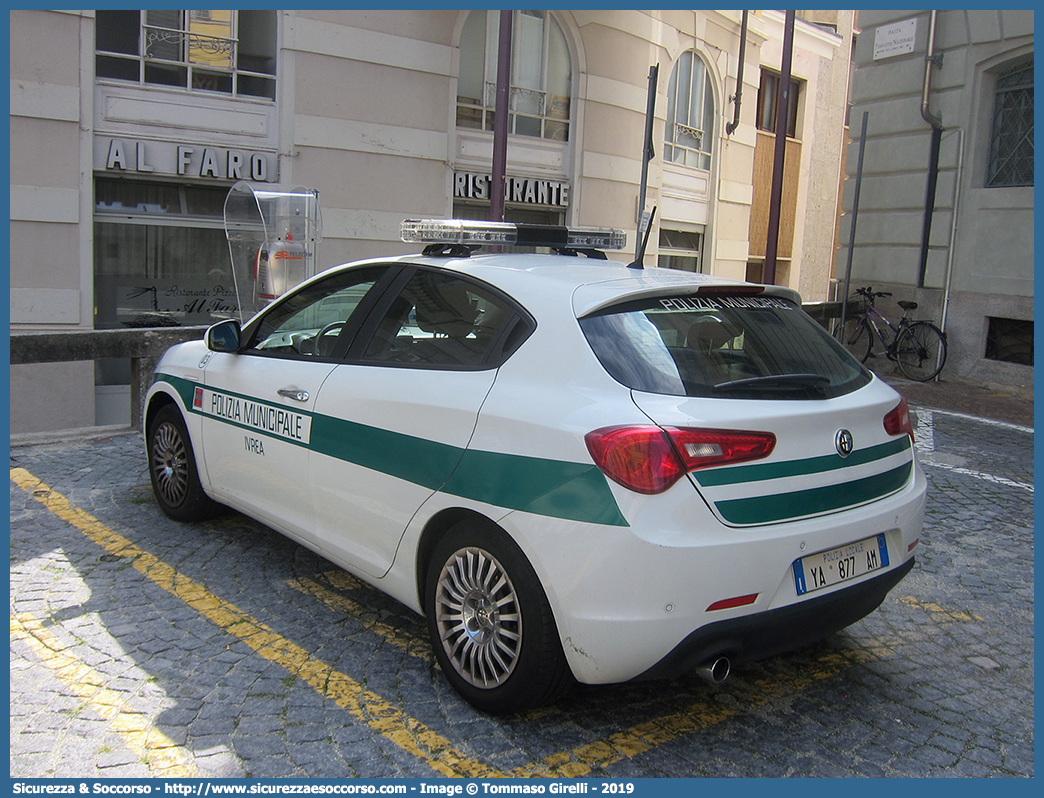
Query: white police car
[[574, 469]]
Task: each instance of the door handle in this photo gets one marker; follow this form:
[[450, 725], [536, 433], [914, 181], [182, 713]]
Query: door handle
[[294, 393]]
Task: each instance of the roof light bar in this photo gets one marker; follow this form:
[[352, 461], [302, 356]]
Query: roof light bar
[[457, 231], [462, 231]]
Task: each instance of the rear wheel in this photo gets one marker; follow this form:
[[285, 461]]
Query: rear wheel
[[857, 338], [490, 623], [920, 351], [172, 469]]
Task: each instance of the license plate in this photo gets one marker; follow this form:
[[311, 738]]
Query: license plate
[[842, 564]]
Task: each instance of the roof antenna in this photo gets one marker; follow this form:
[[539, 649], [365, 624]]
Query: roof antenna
[[639, 257]]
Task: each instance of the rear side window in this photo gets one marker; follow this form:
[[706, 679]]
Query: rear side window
[[748, 347], [441, 320]]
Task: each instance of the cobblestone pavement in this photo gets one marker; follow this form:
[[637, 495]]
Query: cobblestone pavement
[[141, 647]]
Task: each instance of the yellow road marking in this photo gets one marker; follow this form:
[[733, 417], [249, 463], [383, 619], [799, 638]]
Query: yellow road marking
[[408, 733], [623, 745], [163, 757], [342, 580], [405, 642], [382, 716], [697, 717], [938, 612]]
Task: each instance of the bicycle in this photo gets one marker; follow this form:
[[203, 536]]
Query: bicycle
[[918, 347]]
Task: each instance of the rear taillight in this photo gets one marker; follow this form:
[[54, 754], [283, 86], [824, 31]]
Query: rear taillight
[[639, 458], [897, 422], [648, 459]]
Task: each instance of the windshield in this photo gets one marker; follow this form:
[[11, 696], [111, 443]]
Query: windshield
[[757, 347]]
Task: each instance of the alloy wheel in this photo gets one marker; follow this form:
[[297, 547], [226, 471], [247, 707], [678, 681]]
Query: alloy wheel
[[477, 613], [170, 464]]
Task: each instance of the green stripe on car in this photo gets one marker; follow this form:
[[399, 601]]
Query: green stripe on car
[[759, 472], [815, 501], [575, 491], [790, 505], [554, 488]]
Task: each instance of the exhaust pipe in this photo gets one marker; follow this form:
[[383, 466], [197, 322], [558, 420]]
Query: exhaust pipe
[[716, 671]]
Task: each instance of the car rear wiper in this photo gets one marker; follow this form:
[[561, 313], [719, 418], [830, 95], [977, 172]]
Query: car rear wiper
[[776, 382]]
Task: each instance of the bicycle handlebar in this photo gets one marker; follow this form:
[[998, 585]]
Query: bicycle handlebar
[[870, 294]]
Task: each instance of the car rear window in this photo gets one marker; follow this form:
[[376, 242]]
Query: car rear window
[[727, 346]]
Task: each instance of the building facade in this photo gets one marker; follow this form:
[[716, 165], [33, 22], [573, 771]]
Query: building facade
[[128, 129], [945, 213]]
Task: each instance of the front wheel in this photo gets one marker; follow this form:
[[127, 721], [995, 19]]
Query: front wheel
[[172, 469], [490, 623], [920, 351]]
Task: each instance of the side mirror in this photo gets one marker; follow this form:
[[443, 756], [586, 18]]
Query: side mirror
[[223, 336]]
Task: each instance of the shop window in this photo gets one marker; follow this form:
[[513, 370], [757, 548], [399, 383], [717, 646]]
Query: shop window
[[227, 52], [160, 255], [1011, 134], [768, 102], [541, 75], [160, 259], [1010, 341], [680, 250], [689, 130]]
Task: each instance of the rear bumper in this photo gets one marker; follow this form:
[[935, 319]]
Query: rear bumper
[[765, 634]]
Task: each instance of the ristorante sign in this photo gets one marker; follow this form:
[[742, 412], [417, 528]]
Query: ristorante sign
[[183, 160], [520, 190]]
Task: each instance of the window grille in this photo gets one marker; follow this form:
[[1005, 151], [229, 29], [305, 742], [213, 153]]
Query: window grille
[[1010, 341], [1011, 139], [228, 52]]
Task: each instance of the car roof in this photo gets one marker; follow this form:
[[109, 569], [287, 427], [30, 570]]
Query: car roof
[[589, 283]]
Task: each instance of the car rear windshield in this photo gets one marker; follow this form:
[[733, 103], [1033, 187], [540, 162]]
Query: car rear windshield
[[727, 346]]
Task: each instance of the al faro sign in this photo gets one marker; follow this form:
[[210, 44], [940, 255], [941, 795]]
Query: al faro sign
[[183, 160], [520, 190]]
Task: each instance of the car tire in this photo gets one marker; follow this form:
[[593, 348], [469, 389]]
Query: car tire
[[172, 469], [490, 622]]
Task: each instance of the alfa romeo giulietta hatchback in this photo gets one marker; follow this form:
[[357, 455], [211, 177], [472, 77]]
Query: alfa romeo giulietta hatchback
[[574, 469]]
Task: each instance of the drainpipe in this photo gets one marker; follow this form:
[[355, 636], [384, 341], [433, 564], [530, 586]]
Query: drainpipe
[[930, 59], [730, 128], [953, 229]]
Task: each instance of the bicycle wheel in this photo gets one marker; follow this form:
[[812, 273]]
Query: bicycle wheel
[[858, 338], [920, 351]]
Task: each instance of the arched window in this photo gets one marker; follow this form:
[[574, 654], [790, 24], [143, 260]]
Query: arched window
[[690, 114], [541, 74]]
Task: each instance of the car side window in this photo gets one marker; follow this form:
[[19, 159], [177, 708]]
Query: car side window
[[309, 322], [440, 320]]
